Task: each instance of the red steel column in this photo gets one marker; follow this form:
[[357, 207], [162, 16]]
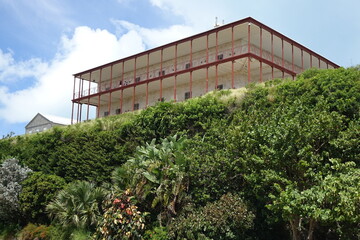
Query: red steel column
[[292, 56], [147, 94], [249, 24], [216, 59], [98, 112], [282, 52], [302, 60], [207, 61], [147, 83], [121, 100], [72, 107], [122, 84], [191, 45], [232, 54], [80, 95], [122, 73], [175, 70], [272, 55], [135, 69], [282, 57], [161, 59], [147, 67], [109, 105], [249, 65], [78, 112], [190, 84], [272, 47], [88, 105], [261, 55], [191, 65], [133, 98]]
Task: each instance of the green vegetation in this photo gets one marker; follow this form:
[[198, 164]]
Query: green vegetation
[[278, 160]]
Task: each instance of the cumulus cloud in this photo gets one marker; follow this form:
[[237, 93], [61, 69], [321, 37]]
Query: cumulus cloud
[[200, 14], [51, 93], [155, 37], [10, 70]]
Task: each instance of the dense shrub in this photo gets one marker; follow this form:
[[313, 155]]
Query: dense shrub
[[121, 219], [31, 232], [274, 144], [227, 218], [37, 191]]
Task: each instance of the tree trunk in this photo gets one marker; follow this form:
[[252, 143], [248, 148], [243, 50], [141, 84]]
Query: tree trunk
[[295, 228], [312, 225]]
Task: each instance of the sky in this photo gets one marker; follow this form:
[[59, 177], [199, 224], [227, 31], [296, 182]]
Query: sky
[[44, 42]]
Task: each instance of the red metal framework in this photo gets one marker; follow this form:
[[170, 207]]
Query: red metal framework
[[223, 56]]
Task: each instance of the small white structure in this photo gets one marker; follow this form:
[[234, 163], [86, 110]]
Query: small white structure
[[42, 123]]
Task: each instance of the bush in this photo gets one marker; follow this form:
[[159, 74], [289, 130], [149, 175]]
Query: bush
[[37, 191], [157, 233], [31, 232], [227, 218], [121, 219]]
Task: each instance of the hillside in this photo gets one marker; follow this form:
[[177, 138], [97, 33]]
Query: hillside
[[278, 160]]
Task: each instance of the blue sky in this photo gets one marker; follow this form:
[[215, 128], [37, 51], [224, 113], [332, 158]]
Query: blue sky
[[44, 42]]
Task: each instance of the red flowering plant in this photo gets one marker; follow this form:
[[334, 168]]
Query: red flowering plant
[[121, 218]]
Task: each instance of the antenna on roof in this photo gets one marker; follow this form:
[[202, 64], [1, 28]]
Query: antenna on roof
[[216, 23]]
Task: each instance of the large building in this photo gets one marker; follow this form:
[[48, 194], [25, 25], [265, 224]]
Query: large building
[[228, 56]]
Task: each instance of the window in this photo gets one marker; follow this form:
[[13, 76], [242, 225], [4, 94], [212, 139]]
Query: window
[[120, 83], [161, 99], [220, 56], [187, 66], [118, 111], [220, 87], [187, 95], [106, 113], [136, 106], [137, 79], [161, 73]]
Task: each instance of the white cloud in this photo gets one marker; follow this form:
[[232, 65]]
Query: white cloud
[[200, 14], [155, 37], [10, 70], [52, 91], [32, 13]]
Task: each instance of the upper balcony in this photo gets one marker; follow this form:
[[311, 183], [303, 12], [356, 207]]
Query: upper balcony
[[185, 66]]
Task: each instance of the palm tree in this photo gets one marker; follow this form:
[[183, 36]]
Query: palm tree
[[78, 205]]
